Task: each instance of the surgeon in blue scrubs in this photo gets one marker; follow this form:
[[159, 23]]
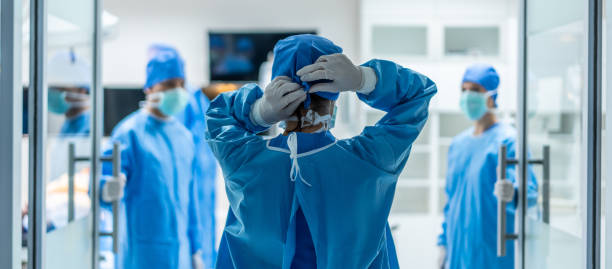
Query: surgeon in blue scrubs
[[158, 190], [468, 238], [305, 199], [205, 171]]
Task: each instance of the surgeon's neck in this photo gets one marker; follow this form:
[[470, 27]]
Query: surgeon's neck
[[75, 111], [292, 126], [155, 112], [484, 123]]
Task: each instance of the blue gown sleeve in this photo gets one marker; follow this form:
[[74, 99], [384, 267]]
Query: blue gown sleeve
[[230, 133], [404, 94], [194, 230]]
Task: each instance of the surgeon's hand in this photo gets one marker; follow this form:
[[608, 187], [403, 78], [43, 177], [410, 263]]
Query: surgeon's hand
[[196, 260], [281, 98], [113, 189], [441, 257], [504, 190], [344, 75]]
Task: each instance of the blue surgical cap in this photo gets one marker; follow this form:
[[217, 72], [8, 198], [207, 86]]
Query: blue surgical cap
[[295, 52], [484, 75], [165, 63]]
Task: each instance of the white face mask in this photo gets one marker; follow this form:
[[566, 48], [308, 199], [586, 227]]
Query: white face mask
[[82, 99]]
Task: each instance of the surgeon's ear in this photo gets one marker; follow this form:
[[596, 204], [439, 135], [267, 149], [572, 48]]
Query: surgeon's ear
[[490, 102]]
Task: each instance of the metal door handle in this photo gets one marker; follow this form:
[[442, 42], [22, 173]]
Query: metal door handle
[[72, 160], [116, 161], [502, 236]]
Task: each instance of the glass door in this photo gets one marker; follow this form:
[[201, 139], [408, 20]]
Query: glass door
[[555, 76], [63, 143]]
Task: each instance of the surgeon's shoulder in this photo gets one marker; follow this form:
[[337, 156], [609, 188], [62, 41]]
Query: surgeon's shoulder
[[507, 133], [464, 135], [127, 124]]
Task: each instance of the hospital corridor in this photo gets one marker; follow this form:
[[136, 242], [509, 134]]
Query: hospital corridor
[[285, 134]]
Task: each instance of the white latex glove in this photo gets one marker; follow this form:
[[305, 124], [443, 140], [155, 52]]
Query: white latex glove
[[441, 257], [504, 190], [280, 99], [196, 260], [113, 189], [344, 75]]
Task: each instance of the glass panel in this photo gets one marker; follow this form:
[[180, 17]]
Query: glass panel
[[556, 90], [471, 41], [408, 40], [69, 79]]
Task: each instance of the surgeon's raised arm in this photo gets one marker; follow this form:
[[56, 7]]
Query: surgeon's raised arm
[[404, 94], [230, 132]]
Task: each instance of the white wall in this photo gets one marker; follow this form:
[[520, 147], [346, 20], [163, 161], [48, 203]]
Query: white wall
[[184, 24]]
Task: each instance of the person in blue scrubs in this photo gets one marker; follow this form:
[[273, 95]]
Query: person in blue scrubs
[[305, 199], [157, 188], [468, 238], [69, 80], [205, 171]]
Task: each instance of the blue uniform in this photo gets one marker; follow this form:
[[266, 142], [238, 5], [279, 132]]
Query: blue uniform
[[79, 125], [343, 188], [160, 206], [205, 172], [470, 215]]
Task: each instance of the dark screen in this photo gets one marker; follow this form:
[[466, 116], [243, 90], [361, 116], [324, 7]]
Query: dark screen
[[238, 56], [118, 103]]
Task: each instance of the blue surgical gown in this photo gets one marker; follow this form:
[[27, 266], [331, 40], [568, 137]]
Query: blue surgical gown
[[159, 210], [78, 125], [470, 216], [205, 171], [345, 187]]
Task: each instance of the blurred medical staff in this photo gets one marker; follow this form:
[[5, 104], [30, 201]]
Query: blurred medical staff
[[205, 170], [158, 165], [468, 238]]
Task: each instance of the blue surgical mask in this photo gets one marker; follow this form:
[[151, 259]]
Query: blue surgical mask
[[474, 104], [56, 100], [169, 102]]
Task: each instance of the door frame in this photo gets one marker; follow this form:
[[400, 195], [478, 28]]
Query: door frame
[[592, 123], [11, 110]]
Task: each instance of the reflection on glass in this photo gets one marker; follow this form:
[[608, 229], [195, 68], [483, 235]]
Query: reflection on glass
[[68, 102], [69, 76]]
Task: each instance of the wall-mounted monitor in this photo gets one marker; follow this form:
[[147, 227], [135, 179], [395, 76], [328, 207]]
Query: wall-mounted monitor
[[237, 56], [118, 104]]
